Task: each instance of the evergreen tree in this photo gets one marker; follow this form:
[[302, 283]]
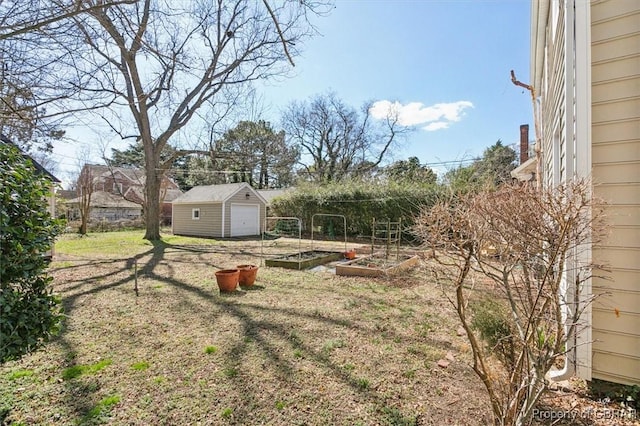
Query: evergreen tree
[[494, 168], [410, 170]]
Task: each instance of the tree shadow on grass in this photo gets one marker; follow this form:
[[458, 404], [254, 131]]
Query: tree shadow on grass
[[286, 369], [81, 394]]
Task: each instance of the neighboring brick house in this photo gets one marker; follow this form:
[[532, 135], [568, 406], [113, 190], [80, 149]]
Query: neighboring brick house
[[118, 193]]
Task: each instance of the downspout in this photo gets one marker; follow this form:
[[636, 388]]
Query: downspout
[[536, 115], [540, 15], [540, 18], [572, 292], [584, 339], [224, 206]]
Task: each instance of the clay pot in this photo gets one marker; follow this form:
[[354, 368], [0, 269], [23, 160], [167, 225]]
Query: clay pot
[[227, 279], [248, 274], [350, 254]]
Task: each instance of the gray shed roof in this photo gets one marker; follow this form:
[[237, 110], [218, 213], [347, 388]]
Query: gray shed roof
[[214, 193]]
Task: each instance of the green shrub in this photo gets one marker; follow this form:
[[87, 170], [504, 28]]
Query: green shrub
[[230, 372], [30, 313], [492, 320], [394, 417], [359, 201], [72, 372], [626, 395]]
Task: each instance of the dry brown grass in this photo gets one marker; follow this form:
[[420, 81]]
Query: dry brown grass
[[300, 347]]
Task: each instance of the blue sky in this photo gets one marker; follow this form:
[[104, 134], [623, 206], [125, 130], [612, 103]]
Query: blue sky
[[451, 59], [444, 64]]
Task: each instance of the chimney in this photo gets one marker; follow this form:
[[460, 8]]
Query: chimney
[[524, 143]]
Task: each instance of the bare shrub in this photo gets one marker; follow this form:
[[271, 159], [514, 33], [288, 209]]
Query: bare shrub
[[533, 246]]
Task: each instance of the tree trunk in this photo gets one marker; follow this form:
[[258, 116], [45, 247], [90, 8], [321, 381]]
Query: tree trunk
[[84, 215], [152, 207], [264, 173]]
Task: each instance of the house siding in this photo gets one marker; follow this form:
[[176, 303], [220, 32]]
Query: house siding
[[563, 155], [554, 105], [240, 198], [615, 96], [208, 225]]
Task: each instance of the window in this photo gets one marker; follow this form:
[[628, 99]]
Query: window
[[117, 188], [195, 214]]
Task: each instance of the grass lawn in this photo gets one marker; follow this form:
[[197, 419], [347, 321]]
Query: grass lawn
[[300, 347]]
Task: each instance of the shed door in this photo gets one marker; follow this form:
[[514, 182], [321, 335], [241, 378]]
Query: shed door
[[245, 220]]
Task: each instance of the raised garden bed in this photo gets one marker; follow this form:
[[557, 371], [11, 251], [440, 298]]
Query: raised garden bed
[[305, 259], [370, 266]]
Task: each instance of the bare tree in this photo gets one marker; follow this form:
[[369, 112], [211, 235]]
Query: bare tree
[[35, 43], [156, 63], [529, 244], [334, 140], [85, 187]]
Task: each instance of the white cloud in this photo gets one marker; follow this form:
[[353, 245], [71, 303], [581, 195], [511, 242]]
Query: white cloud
[[437, 116], [436, 125]]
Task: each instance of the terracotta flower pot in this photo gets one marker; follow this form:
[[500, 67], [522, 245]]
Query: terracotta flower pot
[[227, 279], [350, 254], [248, 274]]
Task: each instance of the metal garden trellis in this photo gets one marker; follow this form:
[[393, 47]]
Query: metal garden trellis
[[344, 221], [283, 218]]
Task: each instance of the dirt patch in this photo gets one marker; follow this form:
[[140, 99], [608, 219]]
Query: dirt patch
[[372, 266], [305, 259]]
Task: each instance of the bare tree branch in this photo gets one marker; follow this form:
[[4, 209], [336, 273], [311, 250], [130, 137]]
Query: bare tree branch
[[284, 42], [21, 28], [335, 140], [526, 242]]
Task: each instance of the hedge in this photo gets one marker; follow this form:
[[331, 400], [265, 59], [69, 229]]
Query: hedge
[[360, 202]]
